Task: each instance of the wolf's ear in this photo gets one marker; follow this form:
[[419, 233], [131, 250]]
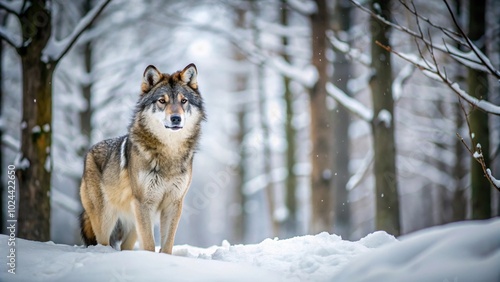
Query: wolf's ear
[[188, 75], [150, 78]]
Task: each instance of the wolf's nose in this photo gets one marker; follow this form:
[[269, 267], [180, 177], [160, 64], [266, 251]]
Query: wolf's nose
[[175, 119]]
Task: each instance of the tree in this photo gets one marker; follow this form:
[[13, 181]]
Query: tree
[[3, 21], [477, 82], [341, 121], [264, 124], [290, 132], [40, 53], [241, 81], [386, 187], [86, 114], [321, 132]]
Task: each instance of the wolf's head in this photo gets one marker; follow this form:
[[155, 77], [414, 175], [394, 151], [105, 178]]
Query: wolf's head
[[170, 102]]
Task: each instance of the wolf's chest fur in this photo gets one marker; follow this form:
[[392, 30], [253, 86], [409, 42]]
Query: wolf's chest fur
[[161, 173]]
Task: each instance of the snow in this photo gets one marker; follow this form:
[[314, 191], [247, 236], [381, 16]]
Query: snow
[[468, 59], [432, 72], [306, 258], [343, 47], [56, 49], [351, 104], [464, 251], [14, 6], [495, 181], [477, 155], [385, 117], [36, 129], [21, 163], [403, 75], [361, 172], [306, 7], [307, 75]]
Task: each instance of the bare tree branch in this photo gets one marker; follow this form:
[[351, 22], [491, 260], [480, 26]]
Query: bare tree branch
[[449, 33], [454, 54], [435, 73], [478, 156], [471, 45], [55, 50]]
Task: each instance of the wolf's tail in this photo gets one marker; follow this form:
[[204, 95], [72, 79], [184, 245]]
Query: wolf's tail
[[86, 230]]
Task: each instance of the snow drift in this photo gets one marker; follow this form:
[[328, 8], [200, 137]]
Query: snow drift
[[466, 251]]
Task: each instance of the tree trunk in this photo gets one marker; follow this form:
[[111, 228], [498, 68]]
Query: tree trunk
[[386, 187], [321, 132], [264, 125], [36, 128], [478, 87], [3, 21], [459, 201], [290, 133], [241, 79], [341, 121], [86, 115]]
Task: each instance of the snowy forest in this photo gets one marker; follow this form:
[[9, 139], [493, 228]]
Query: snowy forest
[[344, 116]]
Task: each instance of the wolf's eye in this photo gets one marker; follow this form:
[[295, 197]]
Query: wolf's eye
[[162, 101], [184, 100]]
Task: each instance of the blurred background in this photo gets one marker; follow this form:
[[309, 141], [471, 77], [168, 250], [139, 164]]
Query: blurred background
[[311, 125]]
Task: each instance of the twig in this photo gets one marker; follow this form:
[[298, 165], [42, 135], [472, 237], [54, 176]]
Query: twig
[[84, 24], [470, 44], [456, 36], [421, 37], [482, 105], [478, 156]]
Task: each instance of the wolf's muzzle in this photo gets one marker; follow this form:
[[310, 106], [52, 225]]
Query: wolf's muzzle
[[176, 120]]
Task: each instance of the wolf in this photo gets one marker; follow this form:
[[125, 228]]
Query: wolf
[[131, 180]]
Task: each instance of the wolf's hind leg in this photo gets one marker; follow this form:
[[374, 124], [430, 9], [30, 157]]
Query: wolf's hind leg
[[129, 239], [107, 222]]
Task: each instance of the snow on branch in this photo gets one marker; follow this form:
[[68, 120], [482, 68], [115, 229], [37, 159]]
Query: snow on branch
[[55, 50], [306, 76], [478, 156], [346, 49], [11, 143], [349, 103], [431, 70], [13, 7], [9, 37], [403, 75], [304, 7], [362, 171], [480, 55], [471, 60]]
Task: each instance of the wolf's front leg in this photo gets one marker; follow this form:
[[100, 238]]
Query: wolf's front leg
[[169, 219], [144, 226]]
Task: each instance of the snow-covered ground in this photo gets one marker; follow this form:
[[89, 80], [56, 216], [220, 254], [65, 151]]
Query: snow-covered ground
[[466, 251]]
